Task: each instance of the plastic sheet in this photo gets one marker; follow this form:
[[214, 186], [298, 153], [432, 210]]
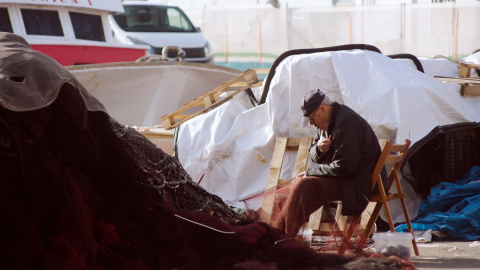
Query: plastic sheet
[[452, 208]]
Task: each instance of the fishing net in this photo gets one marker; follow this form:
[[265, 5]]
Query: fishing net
[[102, 196], [331, 225], [81, 191]]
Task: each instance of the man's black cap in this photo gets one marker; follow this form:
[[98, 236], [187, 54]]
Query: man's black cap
[[311, 101]]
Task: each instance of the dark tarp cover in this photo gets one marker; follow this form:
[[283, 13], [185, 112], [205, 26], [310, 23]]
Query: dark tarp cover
[[30, 80]]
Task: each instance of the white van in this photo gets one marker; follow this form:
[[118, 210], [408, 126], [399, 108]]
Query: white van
[[160, 25]]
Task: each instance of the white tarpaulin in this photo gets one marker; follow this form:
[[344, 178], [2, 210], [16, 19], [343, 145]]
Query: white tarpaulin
[[140, 93], [233, 144]]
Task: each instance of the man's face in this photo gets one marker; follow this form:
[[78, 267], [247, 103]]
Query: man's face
[[320, 118]]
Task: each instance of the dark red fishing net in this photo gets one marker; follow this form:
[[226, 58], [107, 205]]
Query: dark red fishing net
[[80, 191], [289, 205], [330, 240]]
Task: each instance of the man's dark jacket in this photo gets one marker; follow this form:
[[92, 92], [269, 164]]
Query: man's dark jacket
[[351, 158]]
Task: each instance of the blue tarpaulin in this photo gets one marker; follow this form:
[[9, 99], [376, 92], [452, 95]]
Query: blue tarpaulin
[[452, 208]]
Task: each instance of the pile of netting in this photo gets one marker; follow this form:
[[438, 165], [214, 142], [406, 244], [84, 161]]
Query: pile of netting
[[327, 232], [104, 197], [328, 225], [81, 191]]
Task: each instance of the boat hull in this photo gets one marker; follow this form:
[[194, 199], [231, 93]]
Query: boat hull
[[69, 55], [138, 94]]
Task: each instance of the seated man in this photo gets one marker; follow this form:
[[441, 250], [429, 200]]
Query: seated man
[[347, 150]]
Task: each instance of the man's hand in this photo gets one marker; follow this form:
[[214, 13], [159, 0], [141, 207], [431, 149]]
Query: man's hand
[[324, 145], [302, 174]]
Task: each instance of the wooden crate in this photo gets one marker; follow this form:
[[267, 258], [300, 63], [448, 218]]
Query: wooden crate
[[211, 99]]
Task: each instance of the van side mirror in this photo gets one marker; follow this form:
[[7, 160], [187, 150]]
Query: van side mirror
[[198, 29]]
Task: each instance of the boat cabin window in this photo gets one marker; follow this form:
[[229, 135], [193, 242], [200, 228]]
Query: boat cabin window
[[140, 18], [5, 23], [42, 22], [87, 26]]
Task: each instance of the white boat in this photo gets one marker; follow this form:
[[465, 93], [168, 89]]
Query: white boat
[[72, 32], [138, 94]]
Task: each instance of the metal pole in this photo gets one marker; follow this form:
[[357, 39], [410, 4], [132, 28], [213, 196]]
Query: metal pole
[[456, 36], [226, 43], [349, 28], [260, 40]]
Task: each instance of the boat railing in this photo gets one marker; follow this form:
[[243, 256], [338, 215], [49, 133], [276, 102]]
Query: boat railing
[[164, 57]]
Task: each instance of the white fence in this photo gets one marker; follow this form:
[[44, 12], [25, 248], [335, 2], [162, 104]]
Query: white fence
[[263, 32]]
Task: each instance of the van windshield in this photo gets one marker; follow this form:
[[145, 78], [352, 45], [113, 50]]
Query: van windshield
[[144, 18]]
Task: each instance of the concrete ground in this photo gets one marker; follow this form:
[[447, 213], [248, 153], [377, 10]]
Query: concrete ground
[[443, 255]]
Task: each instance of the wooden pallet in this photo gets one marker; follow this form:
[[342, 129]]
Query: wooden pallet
[[211, 99], [470, 86], [282, 145]]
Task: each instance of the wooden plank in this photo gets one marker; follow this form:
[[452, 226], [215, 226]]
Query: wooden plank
[[472, 80], [247, 75], [273, 177], [325, 228], [282, 145], [276, 163], [464, 70], [195, 101], [282, 181], [181, 116], [250, 76], [209, 100], [470, 90], [262, 70], [168, 122], [239, 84], [341, 219], [218, 103], [300, 166], [292, 144], [302, 155], [315, 220], [366, 215], [472, 65]]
